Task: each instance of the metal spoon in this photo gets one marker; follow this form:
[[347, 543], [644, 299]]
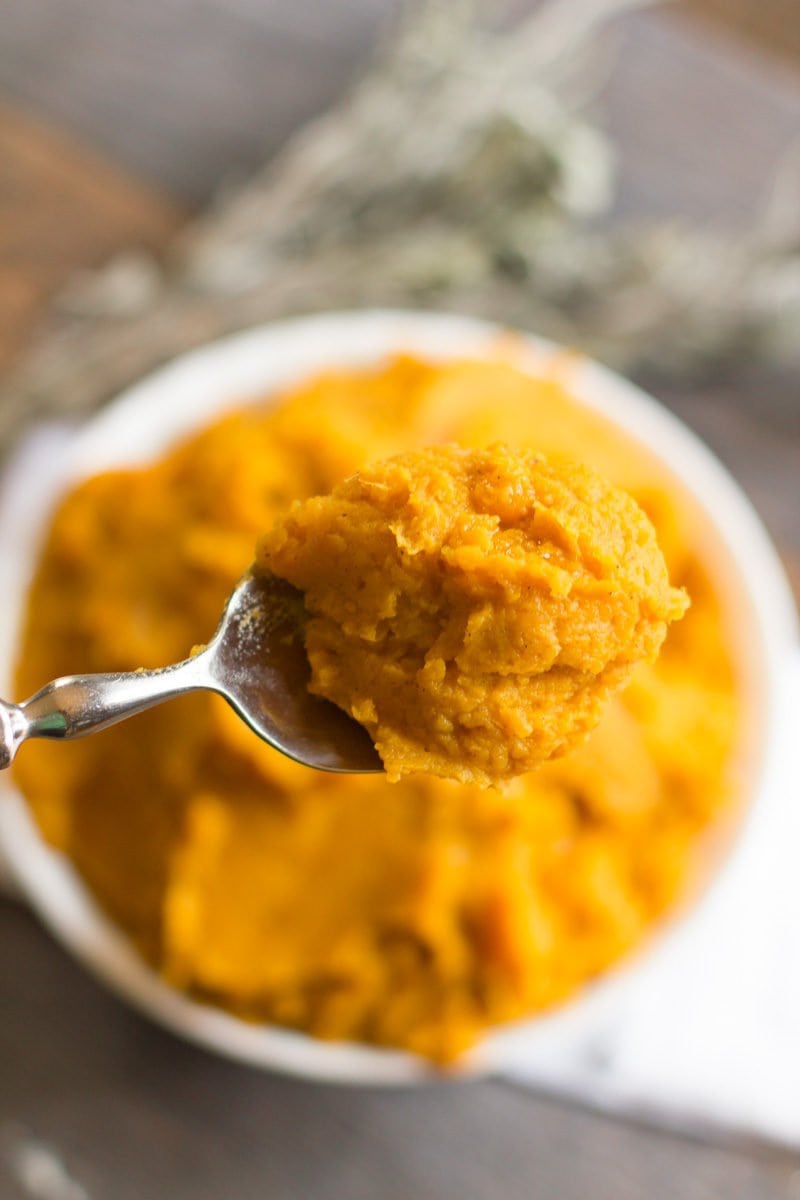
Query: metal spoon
[[256, 660]]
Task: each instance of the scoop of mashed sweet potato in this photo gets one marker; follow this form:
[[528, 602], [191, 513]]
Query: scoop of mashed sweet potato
[[474, 609]]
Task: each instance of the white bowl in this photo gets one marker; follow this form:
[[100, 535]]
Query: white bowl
[[187, 394]]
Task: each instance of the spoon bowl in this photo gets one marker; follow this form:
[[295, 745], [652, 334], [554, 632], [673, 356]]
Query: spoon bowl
[[257, 661]]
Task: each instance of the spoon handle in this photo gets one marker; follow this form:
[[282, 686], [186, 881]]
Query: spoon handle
[[75, 705]]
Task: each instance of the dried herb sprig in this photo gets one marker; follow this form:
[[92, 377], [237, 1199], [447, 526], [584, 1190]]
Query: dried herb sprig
[[461, 172]]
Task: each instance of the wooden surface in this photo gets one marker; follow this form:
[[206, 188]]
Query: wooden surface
[[61, 208], [183, 93], [129, 1111], [774, 24]]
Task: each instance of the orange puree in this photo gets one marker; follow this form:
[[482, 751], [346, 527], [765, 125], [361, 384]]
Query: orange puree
[[415, 914], [474, 609]]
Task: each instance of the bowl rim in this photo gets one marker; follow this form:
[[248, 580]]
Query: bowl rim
[[182, 396]]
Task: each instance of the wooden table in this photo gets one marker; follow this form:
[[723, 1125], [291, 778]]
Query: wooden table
[[131, 1112]]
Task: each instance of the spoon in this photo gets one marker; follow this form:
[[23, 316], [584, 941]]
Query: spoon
[[256, 660]]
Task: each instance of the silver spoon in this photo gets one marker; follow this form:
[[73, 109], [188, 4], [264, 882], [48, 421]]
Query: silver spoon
[[256, 660]]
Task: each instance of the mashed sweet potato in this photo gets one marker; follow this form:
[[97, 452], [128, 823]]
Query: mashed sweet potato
[[474, 609], [415, 914]]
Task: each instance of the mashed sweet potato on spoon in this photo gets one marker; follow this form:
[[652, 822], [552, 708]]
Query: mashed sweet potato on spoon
[[474, 609]]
